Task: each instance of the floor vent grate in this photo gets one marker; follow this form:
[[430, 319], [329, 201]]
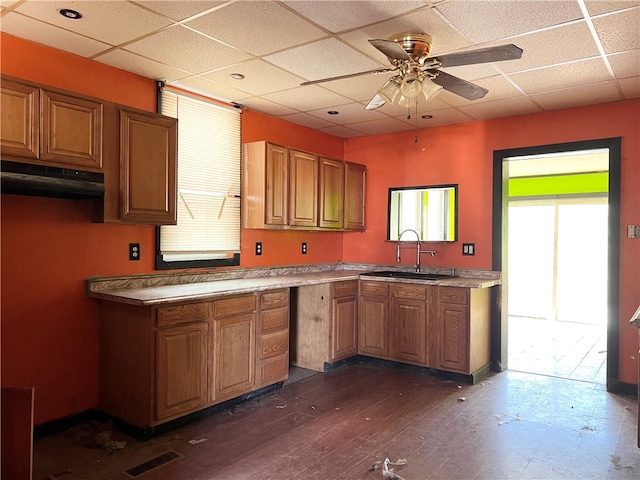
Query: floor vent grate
[[152, 464]]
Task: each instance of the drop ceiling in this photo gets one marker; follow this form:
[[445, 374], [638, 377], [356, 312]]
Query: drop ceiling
[[576, 52]]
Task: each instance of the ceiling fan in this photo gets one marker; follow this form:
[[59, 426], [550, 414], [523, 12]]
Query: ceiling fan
[[417, 72]]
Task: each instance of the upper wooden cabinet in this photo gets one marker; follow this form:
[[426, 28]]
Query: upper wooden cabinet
[[288, 188], [148, 152], [332, 197], [355, 183], [50, 127], [19, 110], [303, 189]]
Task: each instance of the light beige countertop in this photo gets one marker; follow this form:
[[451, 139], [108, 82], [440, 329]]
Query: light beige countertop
[[172, 287]]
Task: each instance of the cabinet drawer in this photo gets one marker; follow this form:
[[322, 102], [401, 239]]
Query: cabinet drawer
[[345, 289], [374, 288], [278, 298], [191, 312], [274, 320], [454, 295], [409, 291], [274, 344], [273, 370], [234, 306]]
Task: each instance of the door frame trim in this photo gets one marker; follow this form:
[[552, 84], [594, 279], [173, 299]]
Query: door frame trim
[[499, 330]]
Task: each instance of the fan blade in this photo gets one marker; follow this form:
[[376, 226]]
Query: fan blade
[[376, 102], [482, 55], [456, 85], [350, 75], [390, 48]]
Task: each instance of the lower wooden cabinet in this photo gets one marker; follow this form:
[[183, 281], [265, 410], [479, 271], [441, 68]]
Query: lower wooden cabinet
[[326, 327], [181, 369], [447, 328], [408, 324], [462, 329], [373, 321], [158, 363]]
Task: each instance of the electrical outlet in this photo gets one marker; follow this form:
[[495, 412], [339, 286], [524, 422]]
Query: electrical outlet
[[304, 248], [258, 248], [134, 251], [468, 249]]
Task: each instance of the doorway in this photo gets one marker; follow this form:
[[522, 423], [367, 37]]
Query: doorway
[[539, 272]]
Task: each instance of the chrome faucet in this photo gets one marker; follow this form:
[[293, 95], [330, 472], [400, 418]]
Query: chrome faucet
[[418, 250]]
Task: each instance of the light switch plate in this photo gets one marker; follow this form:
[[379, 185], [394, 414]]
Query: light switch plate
[[468, 249]]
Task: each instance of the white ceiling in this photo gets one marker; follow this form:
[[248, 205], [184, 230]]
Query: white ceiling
[[576, 52]]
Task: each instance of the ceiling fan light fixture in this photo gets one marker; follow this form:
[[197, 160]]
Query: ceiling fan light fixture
[[411, 86], [389, 90], [407, 102], [430, 89]]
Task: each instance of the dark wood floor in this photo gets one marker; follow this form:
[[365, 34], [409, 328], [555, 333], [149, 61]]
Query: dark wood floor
[[336, 425]]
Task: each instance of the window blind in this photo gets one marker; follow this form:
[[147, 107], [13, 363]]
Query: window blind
[[209, 154]]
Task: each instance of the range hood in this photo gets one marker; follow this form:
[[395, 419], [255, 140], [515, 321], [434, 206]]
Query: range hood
[[44, 181]]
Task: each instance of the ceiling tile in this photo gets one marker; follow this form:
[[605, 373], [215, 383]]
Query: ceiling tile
[[340, 131], [142, 66], [259, 104], [552, 46], [269, 27], [260, 77], [338, 16], [309, 97], [382, 125], [489, 20], [349, 113], [108, 21], [444, 37], [474, 72], [625, 64], [187, 50], [500, 108], [181, 9], [562, 76], [447, 116], [39, 32], [630, 87], [325, 58], [595, 7], [619, 31], [307, 120], [577, 96], [211, 89]]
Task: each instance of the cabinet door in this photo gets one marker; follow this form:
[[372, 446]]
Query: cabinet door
[[234, 362], [277, 177], [331, 193], [409, 331], [19, 106], [354, 194], [453, 337], [344, 330], [148, 153], [303, 189], [181, 369], [71, 130], [373, 326]]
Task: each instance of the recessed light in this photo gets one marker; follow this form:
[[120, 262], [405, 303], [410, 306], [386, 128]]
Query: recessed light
[[237, 76], [426, 117], [333, 112], [72, 14]]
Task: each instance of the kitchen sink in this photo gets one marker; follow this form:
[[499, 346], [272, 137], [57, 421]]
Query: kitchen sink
[[411, 275]]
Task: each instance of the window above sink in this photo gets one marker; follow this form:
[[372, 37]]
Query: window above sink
[[430, 210]]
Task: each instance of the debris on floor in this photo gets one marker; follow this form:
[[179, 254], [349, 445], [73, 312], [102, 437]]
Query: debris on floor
[[281, 406], [505, 418], [199, 440], [388, 472], [96, 435], [616, 460], [462, 399]]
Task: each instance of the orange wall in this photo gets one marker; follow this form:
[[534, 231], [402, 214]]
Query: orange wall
[[463, 154], [49, 246]]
